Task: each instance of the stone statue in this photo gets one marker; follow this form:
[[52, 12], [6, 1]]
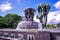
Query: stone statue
[[29, 23], [43, 10], [29, 14]]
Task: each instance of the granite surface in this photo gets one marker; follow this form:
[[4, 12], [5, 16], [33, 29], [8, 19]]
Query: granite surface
[[27, 25]]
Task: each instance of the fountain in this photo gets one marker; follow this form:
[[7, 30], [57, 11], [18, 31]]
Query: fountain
[[28, 23], [43, 10], [29, 29]]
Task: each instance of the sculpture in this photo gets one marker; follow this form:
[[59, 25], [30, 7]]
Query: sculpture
[[29, 23], [29, 14], [43, 10]]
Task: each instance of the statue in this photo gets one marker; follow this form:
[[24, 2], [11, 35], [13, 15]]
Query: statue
[[29, 23], [29, 14], [43, 10]]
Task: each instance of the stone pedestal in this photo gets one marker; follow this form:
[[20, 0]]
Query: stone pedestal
[[44, 35], [27, 25], [25, 34]]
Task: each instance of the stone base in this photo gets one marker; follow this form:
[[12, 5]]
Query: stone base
[[27, 25], [24, 34]]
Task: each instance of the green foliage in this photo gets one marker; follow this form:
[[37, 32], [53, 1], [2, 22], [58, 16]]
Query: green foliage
[[9, 21], [2, 24], [51, 26]]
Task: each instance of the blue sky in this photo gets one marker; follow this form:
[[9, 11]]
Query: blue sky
[[17, 7]]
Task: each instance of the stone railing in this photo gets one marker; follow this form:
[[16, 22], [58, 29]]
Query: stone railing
[[29, 34], [22, 34]]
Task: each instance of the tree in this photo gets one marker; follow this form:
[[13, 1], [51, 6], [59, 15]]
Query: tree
[[9, 21], [0, 16], [51, 26], [12, 20], [2, 24]]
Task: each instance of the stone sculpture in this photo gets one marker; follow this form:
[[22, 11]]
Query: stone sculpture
[[43, 10], [29, 14], [29, 23]]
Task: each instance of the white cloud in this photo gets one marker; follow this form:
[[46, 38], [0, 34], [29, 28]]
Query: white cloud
[[5, 7], [57, 5], [35, 19], [52, 17]]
